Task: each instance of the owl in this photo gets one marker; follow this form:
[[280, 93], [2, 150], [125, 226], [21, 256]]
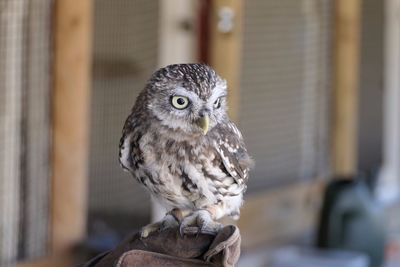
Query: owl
[[179, 143]]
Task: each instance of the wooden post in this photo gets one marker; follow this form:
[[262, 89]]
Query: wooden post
[[345, 78], [72, 60], [225, 46]]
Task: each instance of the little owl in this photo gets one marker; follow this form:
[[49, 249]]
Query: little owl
[[180, 144]]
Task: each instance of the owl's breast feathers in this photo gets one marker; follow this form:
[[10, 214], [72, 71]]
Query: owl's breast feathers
[[213, 167]]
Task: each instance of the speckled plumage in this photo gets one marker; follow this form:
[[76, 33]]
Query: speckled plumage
[[166, 151]]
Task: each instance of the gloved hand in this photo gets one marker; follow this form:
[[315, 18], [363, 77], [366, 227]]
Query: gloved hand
[[168, 248]]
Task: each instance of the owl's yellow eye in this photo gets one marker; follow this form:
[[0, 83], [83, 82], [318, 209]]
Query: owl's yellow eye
[[180, 102]]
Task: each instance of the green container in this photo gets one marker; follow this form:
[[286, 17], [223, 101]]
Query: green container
[[352, 220]]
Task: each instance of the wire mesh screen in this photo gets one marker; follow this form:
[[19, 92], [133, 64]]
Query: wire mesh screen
[[285, 88], [24, 128], [125, 54]]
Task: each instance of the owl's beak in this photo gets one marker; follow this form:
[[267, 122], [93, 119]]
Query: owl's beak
[[204, 123]]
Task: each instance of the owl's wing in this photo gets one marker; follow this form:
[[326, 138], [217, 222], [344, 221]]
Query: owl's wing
[[136, 125], [130, 155], [229, 144]]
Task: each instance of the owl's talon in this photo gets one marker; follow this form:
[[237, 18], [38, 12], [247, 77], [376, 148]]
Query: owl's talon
[[189, 230], [211, 229], [199, 222], [148, 229], [167, 222]]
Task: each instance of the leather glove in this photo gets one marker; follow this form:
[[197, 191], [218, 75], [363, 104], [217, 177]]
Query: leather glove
[[168, 248]]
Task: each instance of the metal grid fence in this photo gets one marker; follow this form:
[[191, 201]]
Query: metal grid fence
[[284, 111], [25, 41], [125, 54]]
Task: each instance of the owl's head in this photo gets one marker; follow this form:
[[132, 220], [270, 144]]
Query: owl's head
[[187, 97]]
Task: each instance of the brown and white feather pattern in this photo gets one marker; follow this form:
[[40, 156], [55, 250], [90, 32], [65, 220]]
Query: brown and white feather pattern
[[179, 166]]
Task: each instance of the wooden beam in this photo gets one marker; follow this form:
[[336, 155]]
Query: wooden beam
[[72, 60], [225, 47], [345, 79]]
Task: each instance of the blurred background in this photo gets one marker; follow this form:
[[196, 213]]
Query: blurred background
[[313, 85]]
